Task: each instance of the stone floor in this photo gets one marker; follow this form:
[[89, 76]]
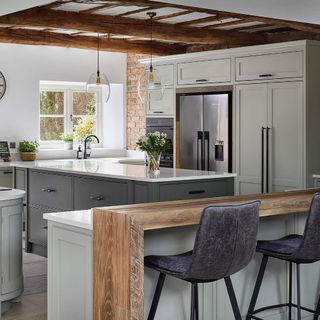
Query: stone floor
[[32, 305]]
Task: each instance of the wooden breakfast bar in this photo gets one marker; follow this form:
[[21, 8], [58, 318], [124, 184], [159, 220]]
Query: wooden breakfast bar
[[120, 242]]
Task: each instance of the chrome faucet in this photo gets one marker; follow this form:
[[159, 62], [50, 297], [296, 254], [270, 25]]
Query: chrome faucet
[[87, 154]]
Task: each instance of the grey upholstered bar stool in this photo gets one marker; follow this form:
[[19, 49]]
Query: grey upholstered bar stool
[[294, 248], [225, 243]]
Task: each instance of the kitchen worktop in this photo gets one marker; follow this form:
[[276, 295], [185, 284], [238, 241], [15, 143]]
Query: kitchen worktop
[[111, 168], [10, 194]]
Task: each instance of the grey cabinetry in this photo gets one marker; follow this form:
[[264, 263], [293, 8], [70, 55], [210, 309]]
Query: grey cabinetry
[[270, 133], [90, 193]]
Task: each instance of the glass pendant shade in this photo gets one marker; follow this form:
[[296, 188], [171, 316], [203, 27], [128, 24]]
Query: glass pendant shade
[[99, 80]]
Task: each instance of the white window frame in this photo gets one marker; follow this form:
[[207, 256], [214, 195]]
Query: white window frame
[[68, 88]]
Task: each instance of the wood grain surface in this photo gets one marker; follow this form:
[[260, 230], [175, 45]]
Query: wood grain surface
[[118, 243]]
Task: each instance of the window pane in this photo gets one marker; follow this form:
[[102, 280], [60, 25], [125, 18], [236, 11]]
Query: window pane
[[51, 128], [83, 126], [51, 102], [84, 103]]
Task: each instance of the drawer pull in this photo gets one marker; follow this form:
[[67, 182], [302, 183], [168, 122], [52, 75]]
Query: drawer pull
[[266, 75], [46, 228], [7, 172], [201, 80], [197, 191], [158, 112], [48, 190], [98, 198]]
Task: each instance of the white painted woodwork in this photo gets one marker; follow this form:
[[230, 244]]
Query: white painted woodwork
[[161, 105], [270, 66], [166, 74], [69, 273], [199, 72]]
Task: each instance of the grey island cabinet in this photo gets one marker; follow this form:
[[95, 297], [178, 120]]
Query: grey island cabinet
[[65, 185]]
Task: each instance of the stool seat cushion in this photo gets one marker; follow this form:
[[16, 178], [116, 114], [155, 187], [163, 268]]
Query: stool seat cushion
[[285, 246], [173, 265]]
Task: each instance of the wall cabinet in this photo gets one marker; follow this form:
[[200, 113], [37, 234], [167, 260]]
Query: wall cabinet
[[270, 132], [270, 66], [166, 73], [161, 105], [199, 72]]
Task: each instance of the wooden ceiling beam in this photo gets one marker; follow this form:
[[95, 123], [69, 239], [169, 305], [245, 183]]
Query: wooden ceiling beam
[[274, 37], [198, 21], [146, 9], [172, 15], [34, 37], [92, 10], [124, 26]]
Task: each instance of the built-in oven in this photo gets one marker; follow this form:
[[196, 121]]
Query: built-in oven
[[164, 125]]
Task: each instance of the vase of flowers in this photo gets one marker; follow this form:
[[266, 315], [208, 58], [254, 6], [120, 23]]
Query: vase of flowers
[[153, 144]]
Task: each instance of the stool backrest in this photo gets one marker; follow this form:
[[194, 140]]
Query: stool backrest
[[310, 245], [225, 242]]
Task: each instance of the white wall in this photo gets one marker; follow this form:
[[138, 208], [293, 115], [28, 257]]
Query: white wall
[[296, 10], [24, 67]]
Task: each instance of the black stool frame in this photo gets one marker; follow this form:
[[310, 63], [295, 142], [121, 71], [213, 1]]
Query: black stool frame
[[289, 304]]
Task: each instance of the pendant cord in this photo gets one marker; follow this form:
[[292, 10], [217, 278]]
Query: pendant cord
[[98, 71], [151, 37]]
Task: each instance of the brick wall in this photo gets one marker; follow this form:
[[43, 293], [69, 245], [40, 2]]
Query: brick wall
[[135, 107]]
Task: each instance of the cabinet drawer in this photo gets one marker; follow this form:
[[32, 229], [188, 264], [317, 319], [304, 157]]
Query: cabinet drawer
[[163, 106], [37, 226], [270, 66], [196, 190], [91, 193], [6, 178], [50, 190], [204, 72]]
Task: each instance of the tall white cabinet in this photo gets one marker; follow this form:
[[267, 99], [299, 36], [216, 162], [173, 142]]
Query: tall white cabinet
[[270, 137]]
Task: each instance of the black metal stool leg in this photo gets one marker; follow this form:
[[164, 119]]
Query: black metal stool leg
[[156, 296], [196, 301], [298, 292], [233, 299], [257, 286], [192, 311], [316, 316], [290, 290]]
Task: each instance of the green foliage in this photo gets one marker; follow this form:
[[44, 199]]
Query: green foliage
[[154, 143], [68, 138], [28, 146]]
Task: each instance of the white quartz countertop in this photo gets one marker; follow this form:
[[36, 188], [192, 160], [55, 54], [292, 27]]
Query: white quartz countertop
[[81, 219], [10, 194], [111, 168]]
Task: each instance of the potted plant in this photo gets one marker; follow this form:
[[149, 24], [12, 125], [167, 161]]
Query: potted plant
[[28, 150], [68, 141], [153, 144]]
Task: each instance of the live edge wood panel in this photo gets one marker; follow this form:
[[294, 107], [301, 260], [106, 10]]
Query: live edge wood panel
[[54, 192], [118, 244]]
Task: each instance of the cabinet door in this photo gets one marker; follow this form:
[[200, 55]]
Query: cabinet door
[[11, 248], [163, 106], [70, 274], [166, 74], [200, 72], [251, 115], [285, 118]]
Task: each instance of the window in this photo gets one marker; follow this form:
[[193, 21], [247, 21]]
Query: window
[[67, 109]]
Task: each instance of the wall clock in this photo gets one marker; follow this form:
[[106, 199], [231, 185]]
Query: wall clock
[[3, 85]]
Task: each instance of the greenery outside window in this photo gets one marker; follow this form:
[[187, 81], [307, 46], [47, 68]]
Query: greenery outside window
[[62, 107]]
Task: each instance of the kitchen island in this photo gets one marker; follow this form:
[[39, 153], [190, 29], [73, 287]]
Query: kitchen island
[[64, 185], [109, 243]]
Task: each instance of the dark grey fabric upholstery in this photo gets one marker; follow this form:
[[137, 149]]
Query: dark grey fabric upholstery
[[225, 243], [298, 248]]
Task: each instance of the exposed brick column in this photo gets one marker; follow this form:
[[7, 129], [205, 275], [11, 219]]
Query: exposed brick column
[[135, 108]]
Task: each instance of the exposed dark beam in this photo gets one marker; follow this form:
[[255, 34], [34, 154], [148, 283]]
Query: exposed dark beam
[[34, 37], [125, 26]]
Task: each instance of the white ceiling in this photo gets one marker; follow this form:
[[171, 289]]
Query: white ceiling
[[9, 6], [296, 10]]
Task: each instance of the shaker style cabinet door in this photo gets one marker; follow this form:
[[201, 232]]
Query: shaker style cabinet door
[[285, 120], [251, 115], [160, 105]]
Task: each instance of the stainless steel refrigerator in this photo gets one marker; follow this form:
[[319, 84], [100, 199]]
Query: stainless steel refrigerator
[[204, 132]]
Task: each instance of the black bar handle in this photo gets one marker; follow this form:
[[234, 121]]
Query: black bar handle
[[7, 172], [97, 198], [201, 80], [262, 159], [197, 191], [267, 159], [158, 112], [207, 138], [265, 75], [199, 149], [48, 190]]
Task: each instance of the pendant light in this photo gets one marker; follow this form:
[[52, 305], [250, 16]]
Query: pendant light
[[98, 79], [151, 80]]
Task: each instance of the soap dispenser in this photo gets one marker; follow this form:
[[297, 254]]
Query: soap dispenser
[[79, 153]]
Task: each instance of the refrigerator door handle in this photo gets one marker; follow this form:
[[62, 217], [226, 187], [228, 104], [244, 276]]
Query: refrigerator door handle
[[262, 158], [206, 135], [199, 149]]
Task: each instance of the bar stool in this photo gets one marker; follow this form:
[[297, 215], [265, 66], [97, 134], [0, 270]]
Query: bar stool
[[225, 243], [294, 248]]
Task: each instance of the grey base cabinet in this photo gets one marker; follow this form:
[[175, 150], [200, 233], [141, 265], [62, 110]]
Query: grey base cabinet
[[11, 249], [56, 192]]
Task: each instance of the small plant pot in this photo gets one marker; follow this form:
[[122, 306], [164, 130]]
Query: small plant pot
[[68, 145], [28, 156]]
